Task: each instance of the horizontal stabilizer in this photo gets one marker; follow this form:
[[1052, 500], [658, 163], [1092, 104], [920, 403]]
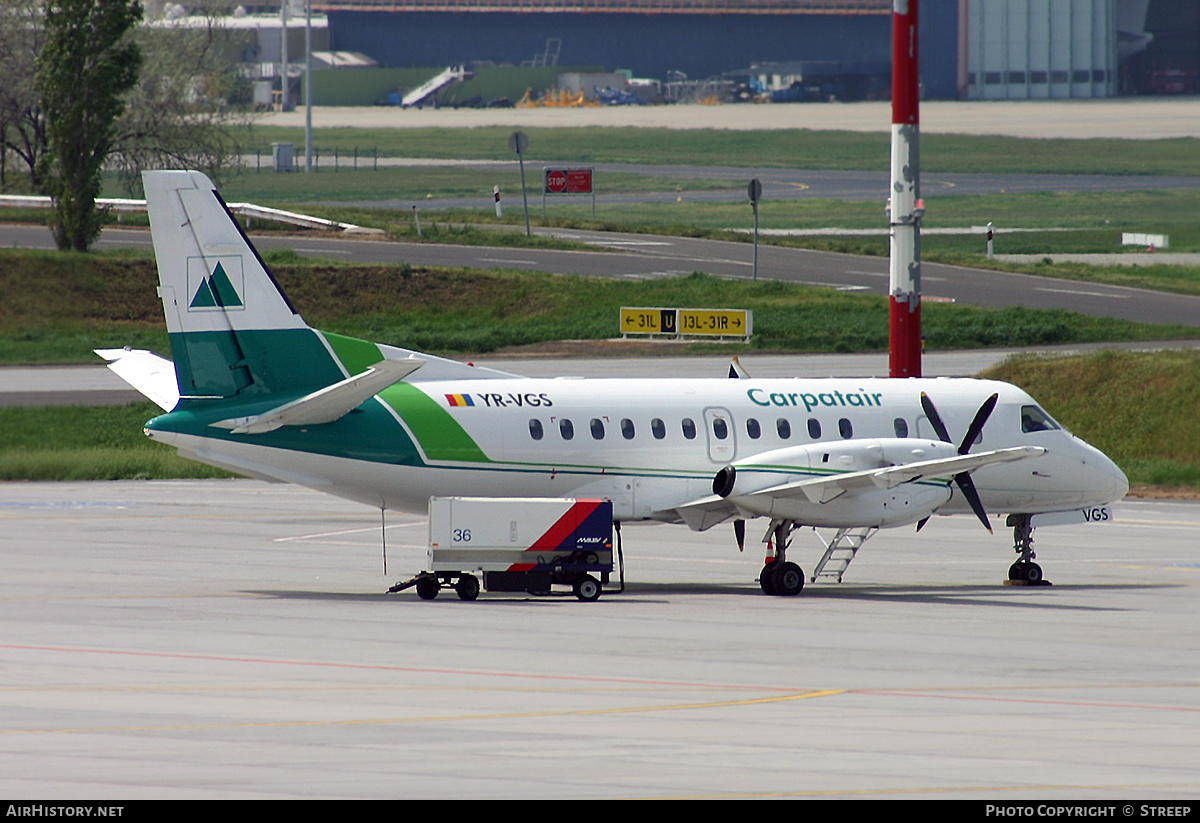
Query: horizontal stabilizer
[[150, 374], [327, 404]]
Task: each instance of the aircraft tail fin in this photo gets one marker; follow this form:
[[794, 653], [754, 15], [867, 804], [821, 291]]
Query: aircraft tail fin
[[234, 333], [233, 330]]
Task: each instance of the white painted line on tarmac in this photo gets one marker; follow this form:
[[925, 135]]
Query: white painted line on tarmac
[[1086, 293]]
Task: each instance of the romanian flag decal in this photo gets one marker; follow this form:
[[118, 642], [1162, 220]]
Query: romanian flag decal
[[460, 400]]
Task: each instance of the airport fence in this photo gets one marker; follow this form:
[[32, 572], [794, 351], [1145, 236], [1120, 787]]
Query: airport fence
[[262, 159]]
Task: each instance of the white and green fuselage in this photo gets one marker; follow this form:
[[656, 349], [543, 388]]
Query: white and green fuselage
[[260, 392]]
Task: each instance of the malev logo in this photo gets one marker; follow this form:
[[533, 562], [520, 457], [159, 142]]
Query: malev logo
[[215, 283]]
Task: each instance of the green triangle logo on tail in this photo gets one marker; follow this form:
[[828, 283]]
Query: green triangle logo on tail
[[216, 292]]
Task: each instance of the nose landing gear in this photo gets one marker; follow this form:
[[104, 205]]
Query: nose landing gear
[[1024, 572]]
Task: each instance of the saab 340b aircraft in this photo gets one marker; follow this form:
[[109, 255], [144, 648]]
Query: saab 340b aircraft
[[254, 389]]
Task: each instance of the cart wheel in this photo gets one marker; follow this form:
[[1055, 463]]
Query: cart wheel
[[428, 587], [467, 587], [587, 588]]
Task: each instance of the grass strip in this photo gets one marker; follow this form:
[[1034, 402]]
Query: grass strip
[[59, 307], [1139, 408], [88, 443], [795, 148]]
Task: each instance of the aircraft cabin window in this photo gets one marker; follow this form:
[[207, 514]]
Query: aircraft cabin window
[[535, 429], [900, 425], [753, 429], [845, 429], [566, 429], [814, 428], [627, 430], [658, 428], [597, 426], [783, 428], [720, 428], [689, 428], [1033, 419]]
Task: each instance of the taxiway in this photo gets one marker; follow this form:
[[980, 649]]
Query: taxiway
[[232, 639]]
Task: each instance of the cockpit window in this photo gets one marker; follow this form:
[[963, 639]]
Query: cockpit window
[[1033, 419]]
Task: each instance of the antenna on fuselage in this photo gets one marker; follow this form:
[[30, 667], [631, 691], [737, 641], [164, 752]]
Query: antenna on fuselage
[[383, 536]]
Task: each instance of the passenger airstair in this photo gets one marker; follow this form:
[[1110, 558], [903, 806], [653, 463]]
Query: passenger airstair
[[453, 74], [840, 551]]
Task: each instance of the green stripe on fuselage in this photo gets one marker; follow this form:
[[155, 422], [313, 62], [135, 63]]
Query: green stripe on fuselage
[[356, 355], [369, 432], [440, 435], [240, 374]]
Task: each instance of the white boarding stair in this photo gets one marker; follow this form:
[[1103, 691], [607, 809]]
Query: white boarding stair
[[450, 75], [840, 551]]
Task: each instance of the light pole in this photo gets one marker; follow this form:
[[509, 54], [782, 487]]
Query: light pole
[[308, 101], [905, 211]]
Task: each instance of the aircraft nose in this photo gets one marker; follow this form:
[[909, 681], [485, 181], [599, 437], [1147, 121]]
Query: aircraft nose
[[1120, 481], [1106, 477]]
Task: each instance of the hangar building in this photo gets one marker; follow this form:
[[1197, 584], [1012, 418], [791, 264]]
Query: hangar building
[[970, 49]]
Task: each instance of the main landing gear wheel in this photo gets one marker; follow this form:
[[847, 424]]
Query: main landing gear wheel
[[779, 576], [787, 579], [587, 588], [467, 587], [428, 587], [765, 580], [1030, 573]]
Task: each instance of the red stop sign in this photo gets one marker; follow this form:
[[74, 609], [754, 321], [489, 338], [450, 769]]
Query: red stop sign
[[556, 181]]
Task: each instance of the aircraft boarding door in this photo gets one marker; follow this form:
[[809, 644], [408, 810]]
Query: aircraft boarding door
[[925, 429], [722, 438]]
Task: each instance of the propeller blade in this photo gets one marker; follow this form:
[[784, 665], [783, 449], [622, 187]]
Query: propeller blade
[[921, 523], [967, 486], [739, 531], [963, 479], [935, 419], [981, 417]]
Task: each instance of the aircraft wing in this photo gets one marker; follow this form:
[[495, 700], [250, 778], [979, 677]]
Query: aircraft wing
[[150, 374], [708, 511], [329, 403], [824, 489], [701, 515]]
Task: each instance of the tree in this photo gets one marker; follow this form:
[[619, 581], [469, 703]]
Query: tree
[[190, 108], [22, 126], [87, 64]]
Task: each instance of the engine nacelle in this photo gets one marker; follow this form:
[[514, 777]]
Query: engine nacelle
[[739, 482]]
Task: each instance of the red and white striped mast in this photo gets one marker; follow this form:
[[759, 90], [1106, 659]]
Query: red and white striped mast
[[905, 206]]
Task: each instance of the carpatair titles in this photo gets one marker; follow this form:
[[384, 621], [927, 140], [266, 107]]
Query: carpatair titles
[[810, 401]]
